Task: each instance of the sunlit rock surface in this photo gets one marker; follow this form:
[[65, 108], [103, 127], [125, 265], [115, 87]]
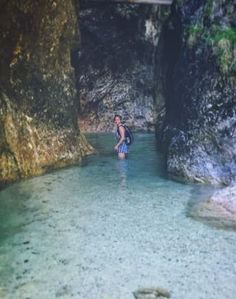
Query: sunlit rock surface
[[219, 209], [38, 111], [116, 71], [226, 198], [200, 131]]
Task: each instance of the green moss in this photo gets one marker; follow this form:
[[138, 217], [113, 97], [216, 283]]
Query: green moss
[[228, 33], [216, 34], [223, 41], [194, 29]]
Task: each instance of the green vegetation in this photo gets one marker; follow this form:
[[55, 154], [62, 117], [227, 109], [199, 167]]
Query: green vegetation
[[194, 29], [221, 40], [217, 33], [228, 33]]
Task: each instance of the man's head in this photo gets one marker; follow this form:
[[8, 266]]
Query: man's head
[[117, 119]]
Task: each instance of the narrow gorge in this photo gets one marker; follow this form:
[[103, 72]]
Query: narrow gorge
[[75, 220], [67, 68]]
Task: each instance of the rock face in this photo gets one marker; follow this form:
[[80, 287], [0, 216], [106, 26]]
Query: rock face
[[38, 113], [226, 197], [116, 72], [218, 210], [199, 135]]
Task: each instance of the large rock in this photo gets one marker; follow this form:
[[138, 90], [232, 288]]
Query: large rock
[[116, 72], [200, 127], [218, 210], [38, 110], [226, 198]]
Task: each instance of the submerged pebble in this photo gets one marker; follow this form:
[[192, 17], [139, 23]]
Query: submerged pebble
[[151, 293]]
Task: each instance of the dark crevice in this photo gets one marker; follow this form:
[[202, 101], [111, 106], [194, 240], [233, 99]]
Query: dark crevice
[[171, 38]]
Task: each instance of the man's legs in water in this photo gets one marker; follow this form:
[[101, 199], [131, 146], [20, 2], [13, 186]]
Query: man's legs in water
[[121, 156]]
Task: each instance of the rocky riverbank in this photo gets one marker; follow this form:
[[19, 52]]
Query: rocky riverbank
[[199, 133], [219, 209]]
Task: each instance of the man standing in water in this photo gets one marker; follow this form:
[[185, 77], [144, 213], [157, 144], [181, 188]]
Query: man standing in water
[[121, 148]]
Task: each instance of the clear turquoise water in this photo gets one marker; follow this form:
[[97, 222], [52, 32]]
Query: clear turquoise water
[[105, 229]]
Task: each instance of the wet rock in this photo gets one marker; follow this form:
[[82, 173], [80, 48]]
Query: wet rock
[[38, 111], [218, 210], [199, 135], [117, 76], [226, 198], [151, 293]]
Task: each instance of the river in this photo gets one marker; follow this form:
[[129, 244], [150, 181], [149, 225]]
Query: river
[[106, 228]]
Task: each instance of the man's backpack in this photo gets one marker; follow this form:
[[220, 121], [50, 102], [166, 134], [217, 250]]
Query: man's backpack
[[129, 137]]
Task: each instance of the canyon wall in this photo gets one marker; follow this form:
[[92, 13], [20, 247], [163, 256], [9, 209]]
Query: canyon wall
[[116, 73], [38, 108], [199, 133]]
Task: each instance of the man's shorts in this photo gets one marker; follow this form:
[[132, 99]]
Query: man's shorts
[[123, 148]]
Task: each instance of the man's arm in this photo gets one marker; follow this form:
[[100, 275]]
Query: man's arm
[[122, 136]]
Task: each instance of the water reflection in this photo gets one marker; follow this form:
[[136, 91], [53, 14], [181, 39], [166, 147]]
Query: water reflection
[[122, 169]]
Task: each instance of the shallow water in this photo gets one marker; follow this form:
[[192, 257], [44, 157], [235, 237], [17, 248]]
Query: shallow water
[[103, 230]]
